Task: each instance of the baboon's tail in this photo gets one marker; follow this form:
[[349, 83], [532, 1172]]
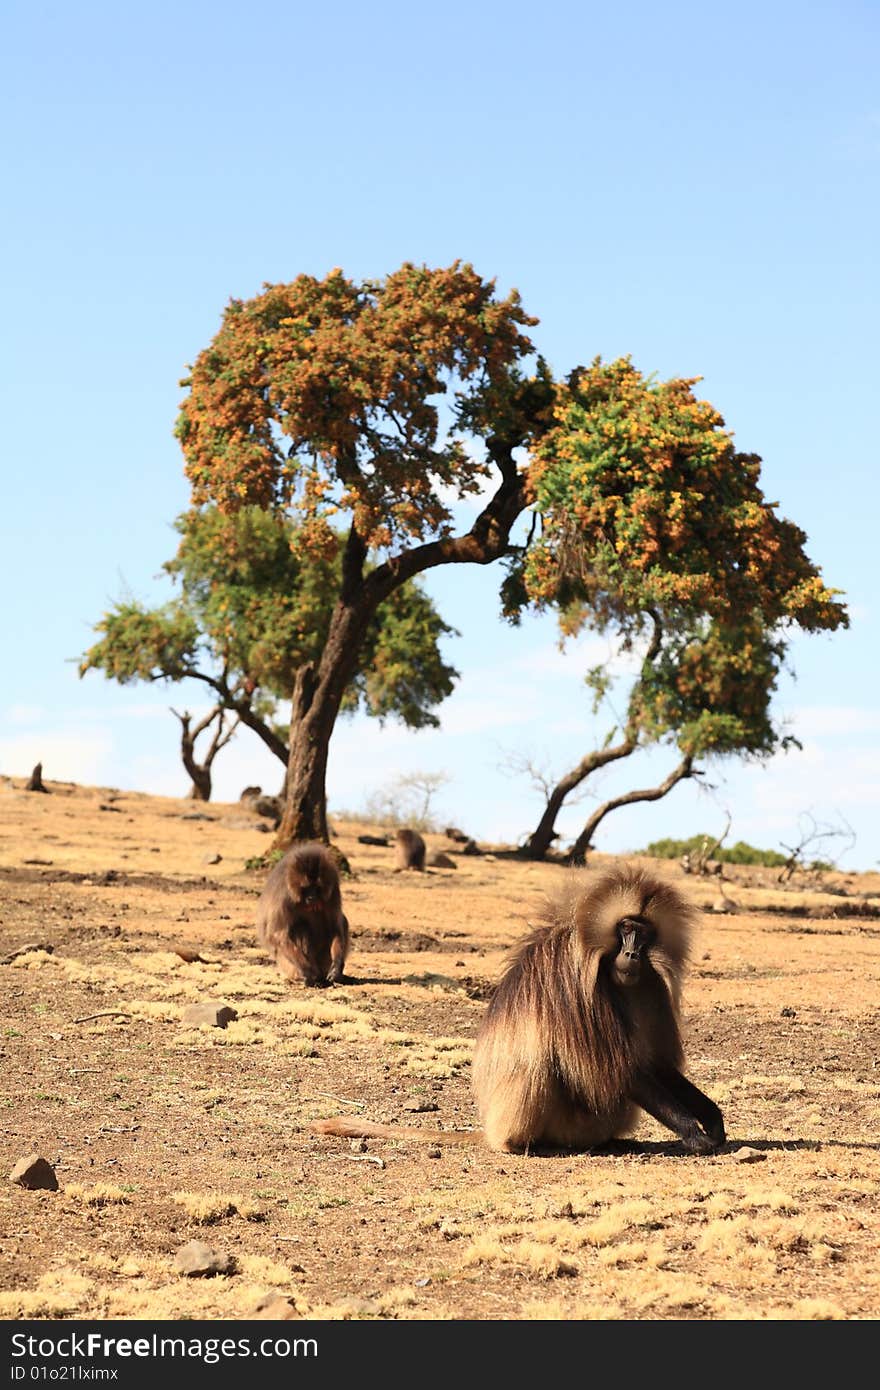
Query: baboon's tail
[[348, 1128]]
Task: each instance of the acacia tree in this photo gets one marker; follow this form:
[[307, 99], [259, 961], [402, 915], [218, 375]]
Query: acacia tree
[[655, 527], [254, 606], [322, 397]]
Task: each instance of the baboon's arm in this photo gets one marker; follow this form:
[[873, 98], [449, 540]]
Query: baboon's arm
[[673, 1105]]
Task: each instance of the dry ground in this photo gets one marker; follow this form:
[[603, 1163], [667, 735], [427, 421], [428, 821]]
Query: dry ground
[[161, 1132]]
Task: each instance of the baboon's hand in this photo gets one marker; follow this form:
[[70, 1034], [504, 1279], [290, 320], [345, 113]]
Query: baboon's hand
[[700, 1143]]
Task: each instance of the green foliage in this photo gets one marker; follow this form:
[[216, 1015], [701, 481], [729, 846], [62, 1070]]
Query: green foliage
[[710, 686], [141, 644], [647, 504], [655, 526], [261, 597], [257, 595], [740, 853]]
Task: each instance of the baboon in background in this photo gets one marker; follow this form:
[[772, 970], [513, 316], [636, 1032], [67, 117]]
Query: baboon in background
[[410, 850], [300, 919], [583, 1028]]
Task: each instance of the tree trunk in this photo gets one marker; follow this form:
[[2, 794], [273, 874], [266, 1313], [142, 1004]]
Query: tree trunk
[[201, 783], [578, 852], [545, 832], [318, 695], [200, 772], [315, 705]]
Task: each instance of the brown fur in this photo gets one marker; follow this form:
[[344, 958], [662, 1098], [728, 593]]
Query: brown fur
[[566, 1052], [410, 850], [559, 1043], [300, 919]]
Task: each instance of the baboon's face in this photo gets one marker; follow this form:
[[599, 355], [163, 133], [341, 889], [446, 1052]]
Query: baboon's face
[[634, 940], [311, 885]]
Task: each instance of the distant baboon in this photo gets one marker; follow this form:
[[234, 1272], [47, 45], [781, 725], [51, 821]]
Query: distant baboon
[[410, 850], [300, 918], [583, 1028]]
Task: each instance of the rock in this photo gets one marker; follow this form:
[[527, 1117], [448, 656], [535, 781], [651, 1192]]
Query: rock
[[421, 1107], [34, 1173], [198, 1260], [788, 1013], [747, 1155], [434, 1153], [212, 859], [35, 783], [439, 860], [358, 1146], [214, 1015], [271, 806], [374, 840], [431, 981], [470, 847], [276, 1305], [357, 1308], [187, 953], [452, 832], [250, 792], [724, 904]]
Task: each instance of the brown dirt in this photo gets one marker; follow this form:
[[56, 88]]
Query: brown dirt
[[161, 1132]]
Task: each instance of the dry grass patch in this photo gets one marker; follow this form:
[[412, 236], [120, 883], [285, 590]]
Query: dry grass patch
[[103, 1194], [533, 1256], [206, 1208]]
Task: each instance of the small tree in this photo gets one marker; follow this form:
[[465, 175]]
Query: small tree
[[655, 528], [254, 608], [199, 767]]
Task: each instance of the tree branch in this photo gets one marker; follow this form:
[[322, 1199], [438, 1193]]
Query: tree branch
[[486, 541], [578, 851]]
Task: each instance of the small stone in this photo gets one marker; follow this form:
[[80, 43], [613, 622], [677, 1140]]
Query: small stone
[[358, 1146], [198, 1260], [422, 1283], [788, 1013], [420, 1107], [434, 1153], [212, 859], [275, 1304], [724, 904], [214, 1015], [747, 1155], [34, 1173]]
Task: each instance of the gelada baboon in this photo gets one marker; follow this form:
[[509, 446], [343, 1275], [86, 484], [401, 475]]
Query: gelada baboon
[[583, 1028], [410, 850], [300, 919]]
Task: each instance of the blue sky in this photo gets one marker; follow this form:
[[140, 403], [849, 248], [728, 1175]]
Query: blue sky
[[694, 185]]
